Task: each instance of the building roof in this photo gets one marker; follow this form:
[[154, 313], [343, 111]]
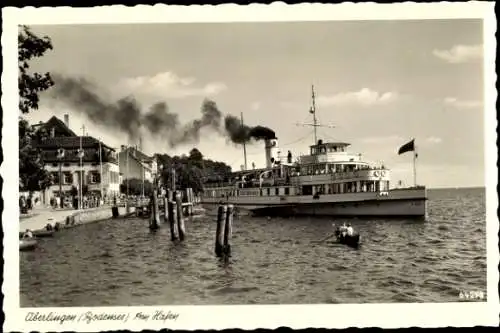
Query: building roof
[[139, 155], [58, 123], [71, 142]]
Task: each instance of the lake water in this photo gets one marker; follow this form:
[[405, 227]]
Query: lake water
[[277, 261]]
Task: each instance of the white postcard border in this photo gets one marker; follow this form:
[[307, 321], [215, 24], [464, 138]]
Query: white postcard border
[[245, 316]]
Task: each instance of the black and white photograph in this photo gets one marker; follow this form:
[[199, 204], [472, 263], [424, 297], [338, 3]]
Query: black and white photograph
[[222, 157]]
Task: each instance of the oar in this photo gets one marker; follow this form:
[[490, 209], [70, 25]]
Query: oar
[[328, 237]]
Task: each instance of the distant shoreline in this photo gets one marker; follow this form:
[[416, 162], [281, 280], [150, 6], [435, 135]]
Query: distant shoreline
[[458, 188]]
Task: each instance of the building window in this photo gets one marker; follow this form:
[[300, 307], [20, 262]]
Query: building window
[[95, 178], [287, 190], [68, 178], [54, 177]]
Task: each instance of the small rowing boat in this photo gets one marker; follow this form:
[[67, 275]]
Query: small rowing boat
[[39, 233], [27, 244], [349, 240]]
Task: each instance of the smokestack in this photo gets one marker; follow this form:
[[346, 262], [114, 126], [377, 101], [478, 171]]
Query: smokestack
[[271, 146], [66, 120]]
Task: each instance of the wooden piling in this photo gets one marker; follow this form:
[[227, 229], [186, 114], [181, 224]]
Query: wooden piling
[[191, 201], [219, 233], [114, 212], [154, 218], [180, 218], [156, 207], [228, 230], [165, 209], [172, 219]]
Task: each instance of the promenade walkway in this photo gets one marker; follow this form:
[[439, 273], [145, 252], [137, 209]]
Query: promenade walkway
[[39, 216]]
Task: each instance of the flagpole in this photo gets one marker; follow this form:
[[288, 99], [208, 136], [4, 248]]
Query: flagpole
[[127, 150], [415, 166]]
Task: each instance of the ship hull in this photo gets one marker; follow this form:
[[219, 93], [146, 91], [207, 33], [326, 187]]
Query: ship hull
[[396, 203]]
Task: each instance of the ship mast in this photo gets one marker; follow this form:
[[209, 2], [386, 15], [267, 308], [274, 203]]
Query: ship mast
[[315, 123], [244, 146], [313, 111]]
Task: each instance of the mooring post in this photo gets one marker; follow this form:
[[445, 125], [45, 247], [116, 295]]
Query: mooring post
[[191, 201], [153, 217], [228, 230], [180, 218], [219, 233], [165, 209], [172, 219], [114, 212], [156, 207]]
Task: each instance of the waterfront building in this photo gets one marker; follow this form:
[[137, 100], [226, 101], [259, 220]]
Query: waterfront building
[[96, 172], [134, 164]]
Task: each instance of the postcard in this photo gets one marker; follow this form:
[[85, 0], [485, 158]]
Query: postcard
[[260, 166]]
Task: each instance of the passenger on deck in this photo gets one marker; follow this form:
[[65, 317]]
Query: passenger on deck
[[350, 230]]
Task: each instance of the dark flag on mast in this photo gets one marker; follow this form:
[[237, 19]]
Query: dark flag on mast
[[410, 146]]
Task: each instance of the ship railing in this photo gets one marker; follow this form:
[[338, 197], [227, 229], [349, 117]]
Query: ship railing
[[371, 172]]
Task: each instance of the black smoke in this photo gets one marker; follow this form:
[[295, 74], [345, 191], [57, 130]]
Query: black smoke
[[126, 115], [240, 133]]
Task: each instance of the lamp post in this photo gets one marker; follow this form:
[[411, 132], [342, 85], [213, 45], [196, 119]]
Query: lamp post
[[158, 175], [80, 189], [142, 175], [60, 156], [100, 176]]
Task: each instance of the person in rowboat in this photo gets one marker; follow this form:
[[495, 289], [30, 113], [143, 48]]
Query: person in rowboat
[[343, 229], [350, 230]]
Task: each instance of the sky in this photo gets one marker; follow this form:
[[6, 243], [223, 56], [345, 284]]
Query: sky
[[380, 83]]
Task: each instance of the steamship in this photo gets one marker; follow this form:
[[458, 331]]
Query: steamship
[[328, 181]]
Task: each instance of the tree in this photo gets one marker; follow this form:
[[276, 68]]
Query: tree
[[135, 187], [32, 176], [192, 170], [31, 84]]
